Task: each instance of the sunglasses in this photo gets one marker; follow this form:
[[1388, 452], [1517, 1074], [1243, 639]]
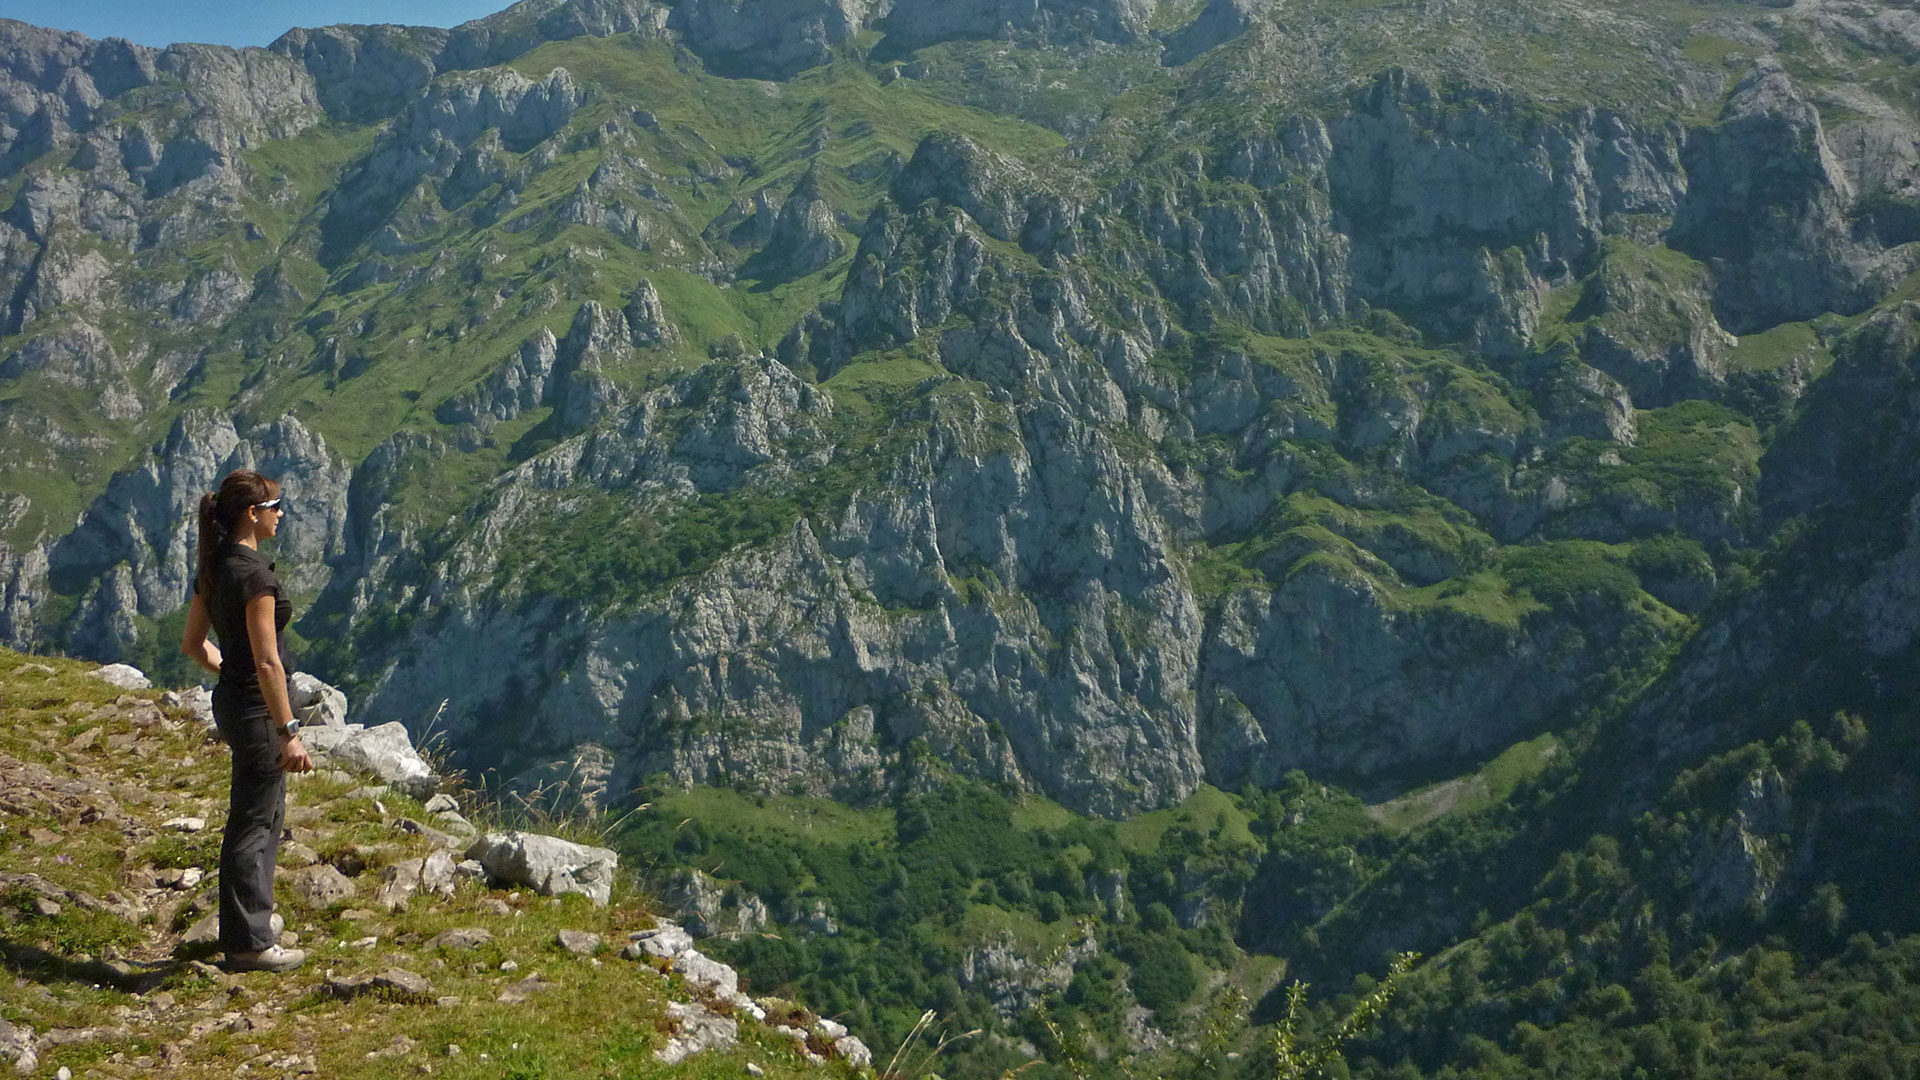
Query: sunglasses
[[274, 504]]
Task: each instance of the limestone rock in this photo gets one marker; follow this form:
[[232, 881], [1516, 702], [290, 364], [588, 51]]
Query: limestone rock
[[396, 984], [579, 942], [695, 1029], [853, 1052], [315, 703], [705, 975], [124, 676], [524, 989], [385, 751], [16, 1047], [663, 942], [548, 864], [320, 886], [197, 700], [433, 874], [463, 939]]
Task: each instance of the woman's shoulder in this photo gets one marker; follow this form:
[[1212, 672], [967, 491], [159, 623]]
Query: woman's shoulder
[[240, 563]]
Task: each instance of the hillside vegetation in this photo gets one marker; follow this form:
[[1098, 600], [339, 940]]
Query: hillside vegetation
[[1071, 514], [105, 978]]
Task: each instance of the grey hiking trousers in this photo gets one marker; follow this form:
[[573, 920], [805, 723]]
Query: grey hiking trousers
[[256, 814]]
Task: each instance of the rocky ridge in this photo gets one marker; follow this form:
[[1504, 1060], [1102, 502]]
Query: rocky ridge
[[114, 886]]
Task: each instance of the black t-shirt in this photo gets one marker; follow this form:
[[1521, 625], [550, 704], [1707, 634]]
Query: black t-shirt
[[240, 574]]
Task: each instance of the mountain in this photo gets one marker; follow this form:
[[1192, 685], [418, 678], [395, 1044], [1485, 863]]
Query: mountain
[[1448, 466]]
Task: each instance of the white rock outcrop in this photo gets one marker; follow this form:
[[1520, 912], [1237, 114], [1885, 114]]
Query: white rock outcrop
[[315, 703], [547, 864], [124, 676], [385, 751]]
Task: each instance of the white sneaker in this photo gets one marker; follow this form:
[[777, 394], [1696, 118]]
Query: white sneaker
[[274, 958]]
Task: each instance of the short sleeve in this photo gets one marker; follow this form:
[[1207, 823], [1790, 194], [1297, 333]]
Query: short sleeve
[[253, 579]]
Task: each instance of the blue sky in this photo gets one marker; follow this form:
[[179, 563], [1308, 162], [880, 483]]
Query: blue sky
[[233, 22]]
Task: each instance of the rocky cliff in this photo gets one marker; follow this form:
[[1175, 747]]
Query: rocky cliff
[[1093, 398]]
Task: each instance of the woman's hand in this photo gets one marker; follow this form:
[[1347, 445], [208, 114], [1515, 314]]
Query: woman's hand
[[293, 756]]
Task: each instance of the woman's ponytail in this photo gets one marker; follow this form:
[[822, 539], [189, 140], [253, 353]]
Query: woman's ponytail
[[220, 511]]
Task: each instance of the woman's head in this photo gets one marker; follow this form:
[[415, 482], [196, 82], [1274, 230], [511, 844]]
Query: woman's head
[[247, 506]]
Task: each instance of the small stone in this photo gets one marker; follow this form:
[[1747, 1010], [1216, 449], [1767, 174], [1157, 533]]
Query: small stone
[[828, 1029], [45, 907], [441, 802], [321, 886], [579, 942], [448, 1002], [493, 905], [509, 965], [461, 938], [64, 1073], [755, 1070], [453, 1050], [434, 836], [185, 824], [455, 824], [396, 983], [524, 989], [294, 854]]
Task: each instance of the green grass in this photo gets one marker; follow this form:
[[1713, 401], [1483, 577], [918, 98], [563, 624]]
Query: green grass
[[985, 924], [1204, 810], [1774, 349], [1487, 786], [778, 818]]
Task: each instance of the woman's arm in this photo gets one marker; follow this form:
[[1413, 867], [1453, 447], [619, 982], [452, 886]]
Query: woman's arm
[[194, 642], [273, 679]]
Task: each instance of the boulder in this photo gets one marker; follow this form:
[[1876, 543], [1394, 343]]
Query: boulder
[[320, 886], [315, 704], [124, 676], [549, 865], [663, 942], [852, 1051], [197, 700], [707, 976], [695, 1029], [432, 874], [385, 751], [16, 1048]]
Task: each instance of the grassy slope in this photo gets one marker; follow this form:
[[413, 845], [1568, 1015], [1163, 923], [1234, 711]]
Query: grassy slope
[[205, 1024]]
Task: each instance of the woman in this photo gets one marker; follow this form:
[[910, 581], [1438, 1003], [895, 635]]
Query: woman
[[237, 596]]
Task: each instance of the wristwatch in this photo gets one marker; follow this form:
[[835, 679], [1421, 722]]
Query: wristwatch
[[287, 730]]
